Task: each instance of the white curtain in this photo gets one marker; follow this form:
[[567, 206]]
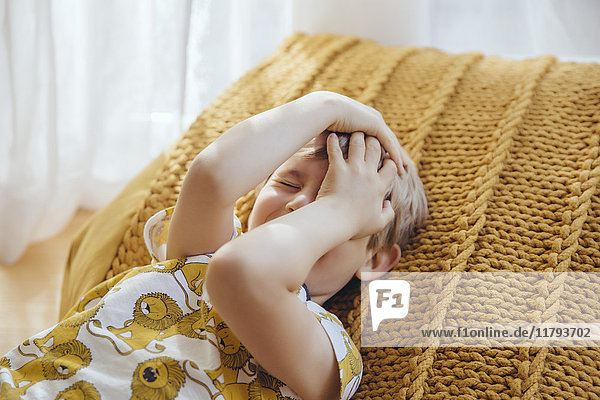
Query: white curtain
[[91, 91], [569, 29]]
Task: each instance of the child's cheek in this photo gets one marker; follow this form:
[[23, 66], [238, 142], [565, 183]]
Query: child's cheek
[[267, 203]]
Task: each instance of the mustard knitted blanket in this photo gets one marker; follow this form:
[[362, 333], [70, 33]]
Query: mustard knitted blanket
[[509, 154]]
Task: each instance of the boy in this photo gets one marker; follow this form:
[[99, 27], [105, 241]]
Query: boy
[[236, 323]]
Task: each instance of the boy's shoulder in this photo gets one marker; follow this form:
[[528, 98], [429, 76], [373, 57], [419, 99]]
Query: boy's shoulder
[[156, 230]]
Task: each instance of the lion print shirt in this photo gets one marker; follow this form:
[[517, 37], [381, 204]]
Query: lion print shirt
[[151, 333]]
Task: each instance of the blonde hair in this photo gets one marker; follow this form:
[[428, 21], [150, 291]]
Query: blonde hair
[[407, 197]]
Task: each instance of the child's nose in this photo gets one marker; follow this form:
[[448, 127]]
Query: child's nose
[[299, 200]]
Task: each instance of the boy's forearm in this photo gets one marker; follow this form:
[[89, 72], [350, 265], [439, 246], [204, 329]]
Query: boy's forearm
[[251, 282], [248, 152], [284, 250]]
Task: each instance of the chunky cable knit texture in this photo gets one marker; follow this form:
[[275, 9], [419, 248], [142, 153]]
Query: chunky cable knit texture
[[509, 154]]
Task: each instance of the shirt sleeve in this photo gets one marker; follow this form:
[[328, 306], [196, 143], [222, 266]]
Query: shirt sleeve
[[347, 355], [157, 229]]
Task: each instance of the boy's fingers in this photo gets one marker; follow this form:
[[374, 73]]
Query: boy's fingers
[[392, 146], [334, 152], [388, 171], [404, 158], [356, 151], [373, 150]]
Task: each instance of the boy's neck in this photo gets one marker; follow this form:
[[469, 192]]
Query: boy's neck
[[320, 299]]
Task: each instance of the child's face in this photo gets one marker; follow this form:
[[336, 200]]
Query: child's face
[[293, 185]]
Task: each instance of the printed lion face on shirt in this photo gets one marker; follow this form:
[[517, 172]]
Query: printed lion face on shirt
[[234, 357], [156, 311], [193, 325], [158, 378], [60, 362]]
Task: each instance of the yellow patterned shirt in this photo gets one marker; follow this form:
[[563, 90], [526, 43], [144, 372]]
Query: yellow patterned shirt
[[151, 333]]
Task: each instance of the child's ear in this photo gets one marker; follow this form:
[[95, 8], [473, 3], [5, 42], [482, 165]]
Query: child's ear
[[380, 263]]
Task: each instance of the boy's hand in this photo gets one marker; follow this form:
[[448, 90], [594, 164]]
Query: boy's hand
[[357, 184], [354, 116]]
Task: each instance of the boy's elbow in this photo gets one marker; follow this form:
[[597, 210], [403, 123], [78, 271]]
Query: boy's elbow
[[228, 277], [220, 268], [204, 175]]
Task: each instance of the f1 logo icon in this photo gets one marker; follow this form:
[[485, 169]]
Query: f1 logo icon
[[389, 299]]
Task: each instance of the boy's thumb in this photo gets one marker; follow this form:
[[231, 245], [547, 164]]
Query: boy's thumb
[[387, 212]]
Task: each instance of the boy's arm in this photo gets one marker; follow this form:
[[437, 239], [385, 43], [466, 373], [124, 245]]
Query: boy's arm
[[252, 280], [248, 152]]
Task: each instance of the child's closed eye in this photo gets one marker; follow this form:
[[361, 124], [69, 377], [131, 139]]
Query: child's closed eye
[[288, 184]]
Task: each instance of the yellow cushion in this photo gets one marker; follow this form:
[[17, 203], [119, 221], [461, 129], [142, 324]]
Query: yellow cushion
[[508, 152], [95, 245]]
